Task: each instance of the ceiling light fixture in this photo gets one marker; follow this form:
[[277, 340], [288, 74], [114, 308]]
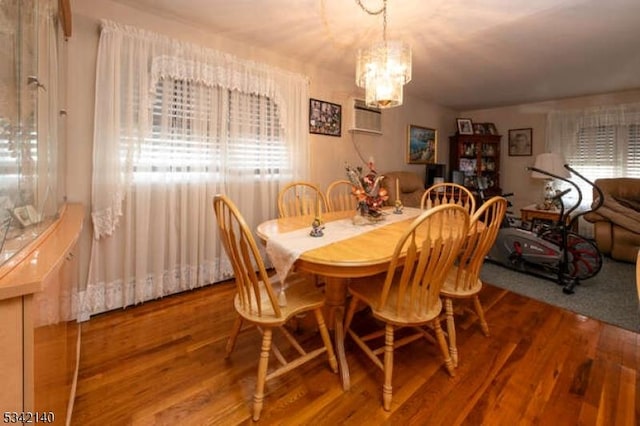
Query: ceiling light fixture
[[384, 67]]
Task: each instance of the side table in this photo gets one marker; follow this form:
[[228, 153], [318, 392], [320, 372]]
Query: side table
[[538, 217]]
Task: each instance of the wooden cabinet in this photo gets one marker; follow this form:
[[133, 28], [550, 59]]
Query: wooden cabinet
[[476, 157], [38, 337]]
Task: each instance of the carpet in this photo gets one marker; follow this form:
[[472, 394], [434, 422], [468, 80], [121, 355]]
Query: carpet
[[610, 296]]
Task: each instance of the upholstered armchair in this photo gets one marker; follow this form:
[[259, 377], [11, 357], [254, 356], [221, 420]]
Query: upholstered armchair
[[617, 222], [411, 187]]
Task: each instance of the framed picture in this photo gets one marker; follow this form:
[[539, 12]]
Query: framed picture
[[465, 126], [520, 141], [421, 145], [491, 128], [325, 118]]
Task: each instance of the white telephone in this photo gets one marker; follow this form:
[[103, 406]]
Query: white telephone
[[26, 215]]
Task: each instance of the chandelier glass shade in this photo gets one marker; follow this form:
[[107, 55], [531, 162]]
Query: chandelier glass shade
[[383, 68]]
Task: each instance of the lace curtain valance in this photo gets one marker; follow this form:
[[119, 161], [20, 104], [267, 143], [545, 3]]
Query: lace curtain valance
[[225, 71], [563, 126]]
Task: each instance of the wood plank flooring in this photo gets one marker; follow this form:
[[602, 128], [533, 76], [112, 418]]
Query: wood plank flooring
[[162, 363]]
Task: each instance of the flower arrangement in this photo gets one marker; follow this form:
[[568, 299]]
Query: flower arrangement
[[367, 190]]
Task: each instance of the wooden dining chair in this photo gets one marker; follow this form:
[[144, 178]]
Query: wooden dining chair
[[448, 193], [340, 196], [300, 199], [463, 281], [408, 295], [256, 301]]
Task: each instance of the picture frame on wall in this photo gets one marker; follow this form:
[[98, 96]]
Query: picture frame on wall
[[325, 118], [520, 142], [421, 145], [465, 126]]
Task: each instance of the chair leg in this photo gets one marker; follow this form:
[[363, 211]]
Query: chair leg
[[443, 347], [324, 333], [235, 330], [258, 396], [388, 367], [480, 313], [451, 331]]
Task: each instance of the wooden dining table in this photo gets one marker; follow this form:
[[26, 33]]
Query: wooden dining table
[[365, 254]]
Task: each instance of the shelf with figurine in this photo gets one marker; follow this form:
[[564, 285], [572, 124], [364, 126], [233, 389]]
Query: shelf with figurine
[[477, 155]]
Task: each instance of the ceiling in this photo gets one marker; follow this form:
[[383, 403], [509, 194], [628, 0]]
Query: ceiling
[[466, 54]]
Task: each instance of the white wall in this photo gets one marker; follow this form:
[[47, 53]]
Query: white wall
[[514, 176], [328, 153]]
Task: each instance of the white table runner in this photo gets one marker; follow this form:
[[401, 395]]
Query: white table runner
[[284, 249]]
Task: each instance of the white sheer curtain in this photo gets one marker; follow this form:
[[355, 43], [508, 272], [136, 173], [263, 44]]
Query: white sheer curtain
[[57, 302], [175, 124]]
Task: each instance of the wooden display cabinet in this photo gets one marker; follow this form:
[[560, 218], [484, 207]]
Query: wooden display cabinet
[[477, 157], [39, 344]]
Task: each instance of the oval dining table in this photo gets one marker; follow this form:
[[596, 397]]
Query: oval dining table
[[365, 254]]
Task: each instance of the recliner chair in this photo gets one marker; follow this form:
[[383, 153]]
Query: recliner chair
[[411, 187], [617, 222]]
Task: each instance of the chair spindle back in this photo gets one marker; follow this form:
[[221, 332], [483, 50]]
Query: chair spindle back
[[484, 227], [247, 263], [429, 248], [340, 196], [301, 199], [448, 193]]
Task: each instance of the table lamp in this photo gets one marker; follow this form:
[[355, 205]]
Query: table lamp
[[554, 164]]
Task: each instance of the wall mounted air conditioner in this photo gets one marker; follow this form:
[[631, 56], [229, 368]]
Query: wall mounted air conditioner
[[365, 119]]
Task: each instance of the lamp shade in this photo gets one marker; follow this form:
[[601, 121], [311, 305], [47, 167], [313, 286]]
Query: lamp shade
[[552, 163]]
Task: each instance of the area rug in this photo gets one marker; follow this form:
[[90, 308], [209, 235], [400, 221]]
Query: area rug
[[610, 296]]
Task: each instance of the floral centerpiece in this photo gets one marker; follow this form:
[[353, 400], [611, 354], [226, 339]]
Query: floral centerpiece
[[367, 190]]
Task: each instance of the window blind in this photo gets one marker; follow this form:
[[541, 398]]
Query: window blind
[[200, 132], [596, 151], [633, 152], [18, 159], [606, 151]]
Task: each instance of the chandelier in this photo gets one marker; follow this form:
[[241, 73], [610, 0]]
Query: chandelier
[[384, 67]]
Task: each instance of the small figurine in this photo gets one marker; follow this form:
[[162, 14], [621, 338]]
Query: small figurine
[[317, 228], [398, 207]]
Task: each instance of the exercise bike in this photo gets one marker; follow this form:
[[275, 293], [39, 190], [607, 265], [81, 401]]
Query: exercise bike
[[550, 251]]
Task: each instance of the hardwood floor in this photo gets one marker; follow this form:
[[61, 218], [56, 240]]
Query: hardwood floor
[[162, 363]]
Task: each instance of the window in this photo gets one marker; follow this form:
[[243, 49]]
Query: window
[[606, 151], [199, 131], [633, 152], [258, 145], [595, 151], [18, 159]]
